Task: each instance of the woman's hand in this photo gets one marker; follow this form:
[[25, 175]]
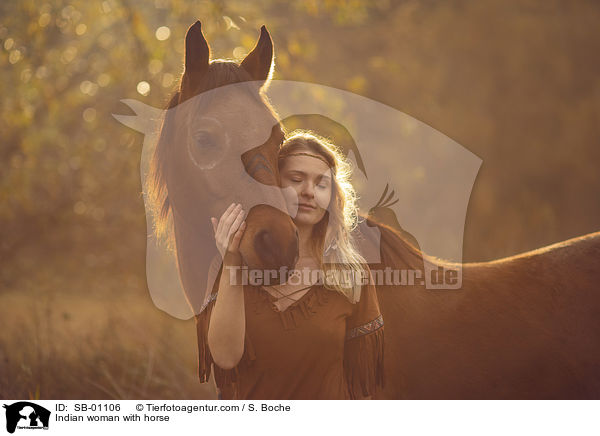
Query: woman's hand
[[229, 230]]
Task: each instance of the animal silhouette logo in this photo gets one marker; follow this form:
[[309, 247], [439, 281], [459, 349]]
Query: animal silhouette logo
[[419, 170], [214, 143], [26, 415]]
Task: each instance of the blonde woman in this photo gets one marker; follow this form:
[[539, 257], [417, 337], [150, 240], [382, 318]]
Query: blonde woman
[[320, 334]]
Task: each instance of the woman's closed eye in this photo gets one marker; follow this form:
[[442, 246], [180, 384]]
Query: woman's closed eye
[[320, 185]]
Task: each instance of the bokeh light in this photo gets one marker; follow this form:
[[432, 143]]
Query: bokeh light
[[143, 88], [163, 33]]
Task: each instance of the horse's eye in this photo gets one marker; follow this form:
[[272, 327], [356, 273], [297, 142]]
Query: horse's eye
[[204, 141], [205, 149]]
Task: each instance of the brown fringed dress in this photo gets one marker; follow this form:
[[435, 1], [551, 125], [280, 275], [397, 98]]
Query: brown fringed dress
[[321, 347]]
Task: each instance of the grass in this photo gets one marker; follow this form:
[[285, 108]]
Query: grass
[[94, 345]]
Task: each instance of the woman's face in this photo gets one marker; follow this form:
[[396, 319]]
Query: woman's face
[[311, 179]]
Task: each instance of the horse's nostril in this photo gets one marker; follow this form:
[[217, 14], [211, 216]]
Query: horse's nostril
[[265, 237], [266, 247], [272, 253]]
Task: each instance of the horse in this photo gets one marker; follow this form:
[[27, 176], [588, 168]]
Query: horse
[[218, 143], [521, 327]]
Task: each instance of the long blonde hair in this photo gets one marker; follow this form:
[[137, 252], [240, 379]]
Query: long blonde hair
[[334, 231]]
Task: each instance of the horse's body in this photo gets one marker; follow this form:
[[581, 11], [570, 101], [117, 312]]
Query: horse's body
[[522, 327]]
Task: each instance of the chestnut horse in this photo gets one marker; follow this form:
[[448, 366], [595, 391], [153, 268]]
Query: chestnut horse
[[216, 142], [522, 327]]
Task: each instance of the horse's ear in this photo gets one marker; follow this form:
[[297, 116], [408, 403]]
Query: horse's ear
[[197, 55], [259, 62]]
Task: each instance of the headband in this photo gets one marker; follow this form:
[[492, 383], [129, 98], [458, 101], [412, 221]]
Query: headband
[[306, 154]]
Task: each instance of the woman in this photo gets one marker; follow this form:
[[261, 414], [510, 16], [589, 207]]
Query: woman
[[316, 340]]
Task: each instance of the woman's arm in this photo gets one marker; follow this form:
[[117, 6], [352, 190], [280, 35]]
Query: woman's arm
[[227, 324]]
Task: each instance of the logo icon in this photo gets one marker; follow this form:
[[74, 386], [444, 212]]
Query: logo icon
[[408, 176], [26, 415]]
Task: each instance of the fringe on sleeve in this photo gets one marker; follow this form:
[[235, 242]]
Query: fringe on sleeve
[[225, 379], [363, 359]]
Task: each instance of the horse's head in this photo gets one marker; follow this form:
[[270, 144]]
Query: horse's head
[[218, 144]]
